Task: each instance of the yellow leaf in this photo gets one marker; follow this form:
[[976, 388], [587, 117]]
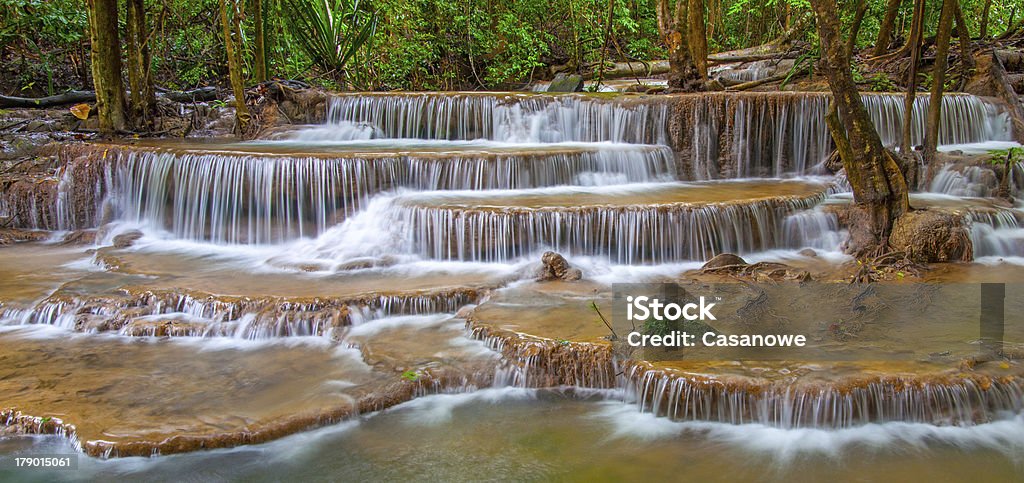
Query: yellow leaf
[[80, 111]]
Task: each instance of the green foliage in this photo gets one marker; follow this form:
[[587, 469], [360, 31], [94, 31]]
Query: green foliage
[[1016, 155], [882, 83], [411, 376], [330, 32]]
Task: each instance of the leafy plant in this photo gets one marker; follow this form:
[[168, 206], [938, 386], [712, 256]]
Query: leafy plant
[[411, 376], [330, 32]]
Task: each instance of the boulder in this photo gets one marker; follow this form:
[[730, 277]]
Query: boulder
[[929, 236], [566, 83], [127, 239], [555, 267], [724, 260]]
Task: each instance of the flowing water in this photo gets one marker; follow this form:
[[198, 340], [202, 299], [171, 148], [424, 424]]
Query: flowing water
[[374, 274]]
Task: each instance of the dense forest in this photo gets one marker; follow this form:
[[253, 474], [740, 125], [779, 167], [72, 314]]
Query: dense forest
[[422, 44]]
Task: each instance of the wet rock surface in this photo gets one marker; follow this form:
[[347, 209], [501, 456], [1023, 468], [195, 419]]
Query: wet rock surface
[[932, 236], [555, 267]]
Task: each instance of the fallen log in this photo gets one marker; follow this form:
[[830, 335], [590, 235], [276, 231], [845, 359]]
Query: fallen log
[[70, 97], [201, 94]]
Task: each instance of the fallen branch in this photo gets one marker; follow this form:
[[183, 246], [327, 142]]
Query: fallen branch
[[70, 97], [75, 97]]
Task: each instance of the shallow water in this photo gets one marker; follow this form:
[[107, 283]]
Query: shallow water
[[549, 435]]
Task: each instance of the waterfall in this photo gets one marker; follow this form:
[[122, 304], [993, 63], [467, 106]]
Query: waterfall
[[814, 228], [626, 234], [741, 135], [240, 198], [965, 119], [996, 233], [965, 401], [503, 117], [973, 181]]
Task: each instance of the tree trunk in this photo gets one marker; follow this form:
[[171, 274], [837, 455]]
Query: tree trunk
[[230, 22], [140, 81], [698, 41], [858, 18], [879, 190], [931, 137], [984, 19], [260, 60], [683, 73], [885, 30], [966, 56], [106, 65], [916, 28]]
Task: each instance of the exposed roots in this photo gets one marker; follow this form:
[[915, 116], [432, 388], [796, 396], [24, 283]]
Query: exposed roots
[[886, 265]]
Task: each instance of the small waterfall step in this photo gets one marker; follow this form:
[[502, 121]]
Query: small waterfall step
[[643, 223], [891, 373]]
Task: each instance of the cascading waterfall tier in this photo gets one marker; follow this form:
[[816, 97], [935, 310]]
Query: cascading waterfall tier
[[141, 312], [688, 222], [944, 398], [240, 197], [738, 135], [505, 117]]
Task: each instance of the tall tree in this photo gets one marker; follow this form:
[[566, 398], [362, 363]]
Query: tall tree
[[231, 21], [888, 24], [858, 18], [683, 71], [964, 34], [879, 190], [140, 81], [106, 65], [931, 136], [906, 141], [698, 37], [984, 18], [260, 57]]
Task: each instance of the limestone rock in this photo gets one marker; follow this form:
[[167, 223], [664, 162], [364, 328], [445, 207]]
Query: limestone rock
[[127, 239], [566, 83], [555, 267], [932, 236], [724, 260], [808, 252]]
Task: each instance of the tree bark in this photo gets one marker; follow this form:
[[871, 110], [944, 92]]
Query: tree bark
[[260, 60], [885, 30], [232, 37], [879, 190], [683, 73], [698, 41], [916, 28], [966, 56], [931, 137], [106, 65], [142, 99]]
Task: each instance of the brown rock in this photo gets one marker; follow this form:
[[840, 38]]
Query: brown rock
[[557, 268], [127, 239], [724, 260], [808, 252], [932, 236]]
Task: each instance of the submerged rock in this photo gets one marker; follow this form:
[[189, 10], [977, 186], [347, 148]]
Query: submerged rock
[[928, 236], [557, 268]]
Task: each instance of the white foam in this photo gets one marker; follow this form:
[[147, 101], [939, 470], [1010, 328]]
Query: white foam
[[1005, 436]]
